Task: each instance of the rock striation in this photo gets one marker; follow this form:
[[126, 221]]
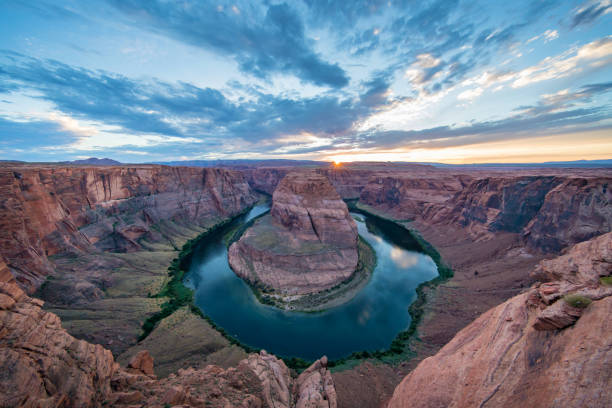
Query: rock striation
[[308, 242], [46, 211], [550, 212], [545, 347]]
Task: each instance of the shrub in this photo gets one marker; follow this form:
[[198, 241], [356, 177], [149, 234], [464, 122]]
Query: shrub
[[578, 301], [606, 280]]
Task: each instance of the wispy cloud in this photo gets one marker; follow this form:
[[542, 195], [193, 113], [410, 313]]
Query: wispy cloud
[[262, 42], [590, 11]]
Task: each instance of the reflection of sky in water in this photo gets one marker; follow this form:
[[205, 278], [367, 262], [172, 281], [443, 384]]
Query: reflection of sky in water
[[369, 321], [403, 259]]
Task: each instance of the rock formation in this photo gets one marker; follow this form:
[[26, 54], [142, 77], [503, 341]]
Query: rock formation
[[46, 211], [307, 244], [107, 234], [549, 346], [101, 240], [550, 212], [43, 366]]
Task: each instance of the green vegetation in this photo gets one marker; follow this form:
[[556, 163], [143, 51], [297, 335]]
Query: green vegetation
[[179, 295], [606, 280], [578, 301]]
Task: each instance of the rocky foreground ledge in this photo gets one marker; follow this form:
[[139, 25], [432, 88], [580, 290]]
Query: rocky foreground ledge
[[307, 244], [550, 346], [41, 365]]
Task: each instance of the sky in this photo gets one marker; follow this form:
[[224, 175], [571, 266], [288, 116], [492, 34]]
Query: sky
[[447, 81]]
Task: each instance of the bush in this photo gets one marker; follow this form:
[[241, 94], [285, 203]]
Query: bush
[[577, 301], [606, 280]]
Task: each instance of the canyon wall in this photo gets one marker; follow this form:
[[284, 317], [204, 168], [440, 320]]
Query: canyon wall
[[549, 346], [45, 211], [549, 212]]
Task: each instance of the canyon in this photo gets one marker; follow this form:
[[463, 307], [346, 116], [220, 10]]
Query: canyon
[[307, 244], [85, 250]]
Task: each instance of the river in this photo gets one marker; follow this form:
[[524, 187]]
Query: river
[[369, 321]]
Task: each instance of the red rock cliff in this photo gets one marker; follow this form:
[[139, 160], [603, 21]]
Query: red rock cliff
[[50, 210], [550, 346]]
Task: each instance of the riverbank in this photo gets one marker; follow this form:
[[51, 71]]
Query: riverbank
[[400, 349]]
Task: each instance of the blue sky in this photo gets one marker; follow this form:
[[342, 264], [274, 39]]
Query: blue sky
[[449, 81]]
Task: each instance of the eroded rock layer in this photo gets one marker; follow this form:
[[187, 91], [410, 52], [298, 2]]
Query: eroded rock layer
[[308, 242], [549, 212], [59, 210], [549, 346]]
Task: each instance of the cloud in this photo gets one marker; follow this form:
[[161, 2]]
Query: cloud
[[548, 35], [565, 99], [138, 106], [30, 134], [590, 11], [470, 94], [151, 112], [261, 43], [593, 54], [513, 127]]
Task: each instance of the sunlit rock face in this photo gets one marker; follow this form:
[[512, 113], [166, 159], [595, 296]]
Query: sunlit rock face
[[546, 347], [308, 242]]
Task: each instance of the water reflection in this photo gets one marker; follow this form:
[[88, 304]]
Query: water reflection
[[370, 321]]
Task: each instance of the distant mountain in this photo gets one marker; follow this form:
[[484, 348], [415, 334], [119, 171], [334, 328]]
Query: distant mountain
[[570, 164], [243, 163], [94, 161]]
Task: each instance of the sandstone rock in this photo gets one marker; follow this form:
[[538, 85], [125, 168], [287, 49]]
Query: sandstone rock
[[583, 265], [274, 377], [51, 210], [507, 357], [142, 362], [551, 212], [42, 365], [407, 197], [559, 315], [307, 244], [308, 206], [315, 387], [6, 302], [575, 210]]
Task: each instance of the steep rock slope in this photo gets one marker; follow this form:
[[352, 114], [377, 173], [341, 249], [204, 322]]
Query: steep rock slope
[[55, 210], [407, 197], [100, 239], [307, 244], [550, 212], [546, 347]]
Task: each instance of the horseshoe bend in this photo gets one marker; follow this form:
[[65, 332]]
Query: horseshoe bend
[[305, 204], [88, 260]]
